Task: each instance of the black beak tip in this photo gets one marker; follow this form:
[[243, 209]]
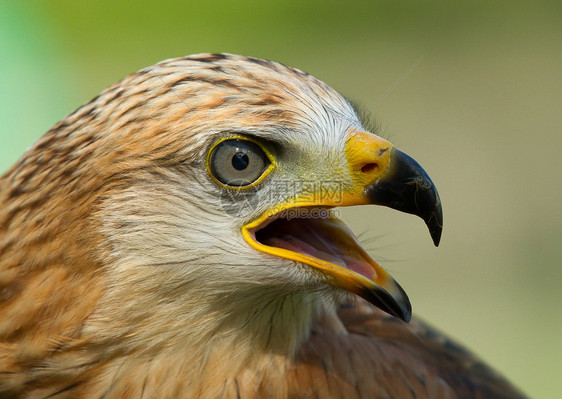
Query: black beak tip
[[436, 236], [435, 224], [397, 305], [406, 316]]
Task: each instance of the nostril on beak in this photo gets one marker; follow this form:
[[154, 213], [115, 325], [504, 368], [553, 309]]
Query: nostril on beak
[[369, 167]]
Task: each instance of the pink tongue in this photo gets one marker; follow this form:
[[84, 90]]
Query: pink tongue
[[322, 239], [296, 245]]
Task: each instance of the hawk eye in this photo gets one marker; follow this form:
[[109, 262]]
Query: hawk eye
[[237, 162]]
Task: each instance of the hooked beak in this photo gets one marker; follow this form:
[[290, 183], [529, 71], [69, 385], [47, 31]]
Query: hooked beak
[[407, 188], [379, 174]]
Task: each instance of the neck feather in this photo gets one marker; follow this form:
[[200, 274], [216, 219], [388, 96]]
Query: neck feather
[[255, 335]]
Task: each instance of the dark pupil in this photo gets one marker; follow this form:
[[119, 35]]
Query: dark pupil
[[240, 161]]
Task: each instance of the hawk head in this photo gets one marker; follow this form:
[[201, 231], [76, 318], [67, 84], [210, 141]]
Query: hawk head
[[190, 207]]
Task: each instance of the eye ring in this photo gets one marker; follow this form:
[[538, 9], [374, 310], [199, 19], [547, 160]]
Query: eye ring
[[238, 162]]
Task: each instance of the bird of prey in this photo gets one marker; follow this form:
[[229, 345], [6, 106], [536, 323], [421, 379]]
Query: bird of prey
[[176, 237]]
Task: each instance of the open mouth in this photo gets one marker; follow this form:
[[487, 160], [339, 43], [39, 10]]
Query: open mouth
[[316, 237], [317, 234]]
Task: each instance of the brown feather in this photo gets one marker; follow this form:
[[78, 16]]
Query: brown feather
[[383, 357]]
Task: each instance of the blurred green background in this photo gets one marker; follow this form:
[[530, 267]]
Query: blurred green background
[[472, 90]]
